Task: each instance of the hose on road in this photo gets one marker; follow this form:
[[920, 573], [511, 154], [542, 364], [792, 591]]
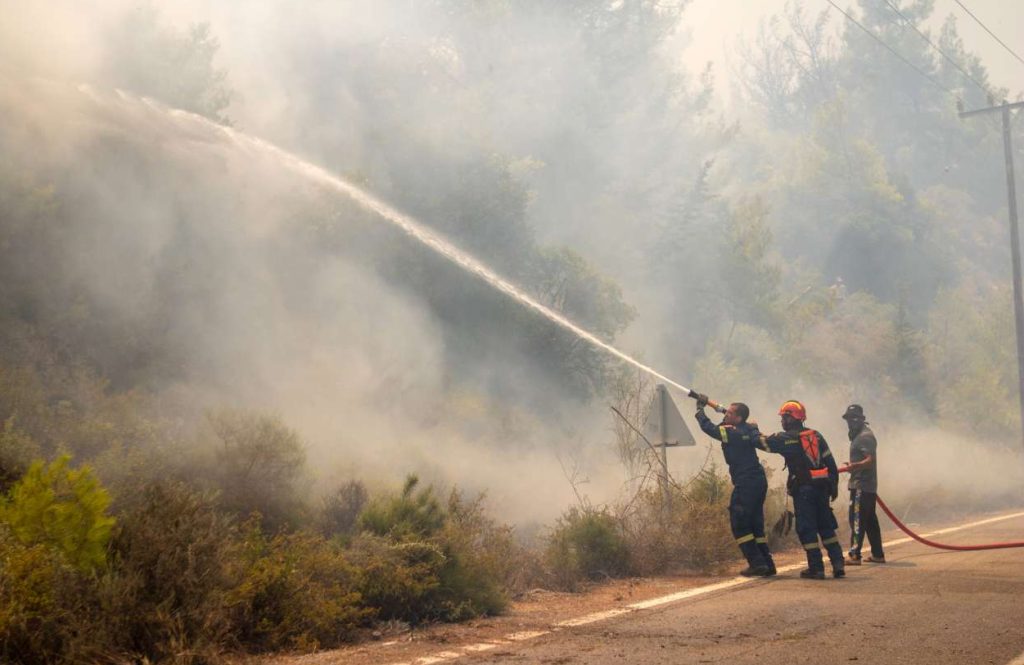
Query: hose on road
[[932, 543]]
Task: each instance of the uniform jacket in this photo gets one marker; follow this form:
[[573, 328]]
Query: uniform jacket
[[789, 446], [739, 445]]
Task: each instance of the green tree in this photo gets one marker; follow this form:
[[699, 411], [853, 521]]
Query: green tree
[[175, 68], [64, 508]]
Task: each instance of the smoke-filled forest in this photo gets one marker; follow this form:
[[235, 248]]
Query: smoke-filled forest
[[242, 411]]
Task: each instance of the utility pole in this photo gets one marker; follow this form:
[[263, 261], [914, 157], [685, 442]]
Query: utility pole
[[1011, 192]]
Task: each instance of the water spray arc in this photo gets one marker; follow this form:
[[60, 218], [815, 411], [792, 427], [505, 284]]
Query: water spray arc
[[407, 224]]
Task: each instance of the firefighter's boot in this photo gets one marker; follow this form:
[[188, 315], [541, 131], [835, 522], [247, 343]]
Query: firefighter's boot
[[757, 566], [835, 555], [762, 547]]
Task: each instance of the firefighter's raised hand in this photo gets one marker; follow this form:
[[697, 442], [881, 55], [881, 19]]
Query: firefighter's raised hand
[[702, 400]]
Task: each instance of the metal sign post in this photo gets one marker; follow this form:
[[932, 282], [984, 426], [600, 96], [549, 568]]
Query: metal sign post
[[665, 428]]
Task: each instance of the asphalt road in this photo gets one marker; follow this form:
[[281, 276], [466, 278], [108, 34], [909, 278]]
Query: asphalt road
[[923, 606]]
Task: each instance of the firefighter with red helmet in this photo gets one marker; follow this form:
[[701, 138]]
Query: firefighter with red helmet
[[813, 483]]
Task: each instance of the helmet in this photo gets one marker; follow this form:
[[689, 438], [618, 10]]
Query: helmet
[[794, 409]]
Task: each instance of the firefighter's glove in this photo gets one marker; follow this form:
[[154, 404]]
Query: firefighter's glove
[[702, 400], [834, 491]]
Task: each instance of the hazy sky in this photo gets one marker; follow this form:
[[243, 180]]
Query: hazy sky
[[715, 24]]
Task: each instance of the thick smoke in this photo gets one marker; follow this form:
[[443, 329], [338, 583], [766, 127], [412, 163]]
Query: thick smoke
[[263, 290]]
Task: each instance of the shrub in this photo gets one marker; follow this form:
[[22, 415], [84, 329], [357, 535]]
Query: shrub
[[297, 591], [340, 511], [258, 464], [422, 562], [410, 514], [692, 533], [16, 453], [398, 580], [481, 559], [63, 508], [46, 607], [586, 544], [172, 566]]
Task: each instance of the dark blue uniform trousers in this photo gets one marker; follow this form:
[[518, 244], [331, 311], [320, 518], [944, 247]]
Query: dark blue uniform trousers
[[746, 517], [814, 518]]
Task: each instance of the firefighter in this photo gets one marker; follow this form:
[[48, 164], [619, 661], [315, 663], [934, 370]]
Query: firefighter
[[863, 470], [750, 485], [813, 483]]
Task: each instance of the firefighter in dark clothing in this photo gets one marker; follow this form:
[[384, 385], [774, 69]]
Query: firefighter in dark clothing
[[813, 482], [863, 470], [750, 485]]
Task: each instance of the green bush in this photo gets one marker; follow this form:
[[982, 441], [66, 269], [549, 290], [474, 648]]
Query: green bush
[[298, 591], [398, 580], [62, 508], [421, 561], [410, 514], [586, 544]]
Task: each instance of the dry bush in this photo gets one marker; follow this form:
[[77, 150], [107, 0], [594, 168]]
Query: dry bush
[[339, 511], [259, 462], [17, 450], [586, 544], [48, 608], [173, 559], [691, 533], [491, 548]]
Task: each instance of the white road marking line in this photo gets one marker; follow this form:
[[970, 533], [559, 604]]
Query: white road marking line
[[483, 646], [526, 635], [671, 598], [438, 657], [593, 618]]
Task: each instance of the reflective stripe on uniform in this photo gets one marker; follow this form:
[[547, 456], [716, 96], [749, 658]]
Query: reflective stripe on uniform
[[810, 546], [761, 539], [833, 539], [724, 433], [745, 539]]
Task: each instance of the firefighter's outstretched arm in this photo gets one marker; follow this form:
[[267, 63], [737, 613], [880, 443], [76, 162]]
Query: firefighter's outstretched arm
[[709, 428], [771, 443]]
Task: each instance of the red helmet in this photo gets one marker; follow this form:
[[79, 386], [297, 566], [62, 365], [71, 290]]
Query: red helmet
[[795, 409]]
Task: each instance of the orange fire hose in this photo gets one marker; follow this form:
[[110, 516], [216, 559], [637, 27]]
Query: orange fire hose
[[932, 543]]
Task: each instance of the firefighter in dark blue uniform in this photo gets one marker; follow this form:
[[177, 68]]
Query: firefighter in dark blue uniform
[[740, 441], [813, 483]]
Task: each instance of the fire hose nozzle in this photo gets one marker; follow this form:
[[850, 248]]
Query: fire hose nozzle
[[700, 397]]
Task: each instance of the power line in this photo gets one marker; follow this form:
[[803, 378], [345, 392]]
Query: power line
[[932, 44], [978, 21], [889, 48]]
